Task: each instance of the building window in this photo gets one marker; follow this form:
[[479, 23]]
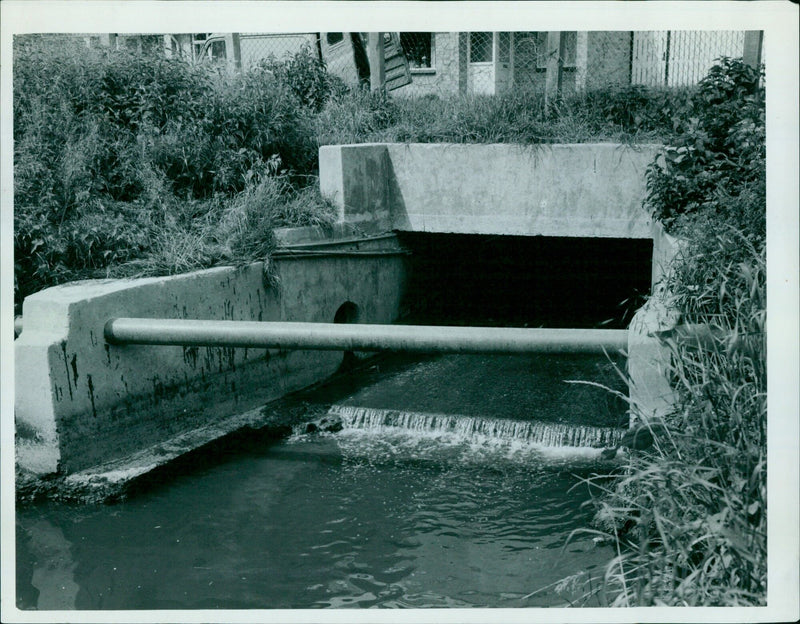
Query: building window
[[419, 49], [480, 47], [334, 38]]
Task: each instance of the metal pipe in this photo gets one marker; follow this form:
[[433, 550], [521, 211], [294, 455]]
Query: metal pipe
[[361, 337]]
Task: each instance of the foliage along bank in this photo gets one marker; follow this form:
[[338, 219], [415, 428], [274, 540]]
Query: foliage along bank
[[688, 516]]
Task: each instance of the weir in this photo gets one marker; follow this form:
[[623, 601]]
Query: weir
[[531, 432]]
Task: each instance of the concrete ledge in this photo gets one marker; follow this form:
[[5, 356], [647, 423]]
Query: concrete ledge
[[81, 402], [580, 190]]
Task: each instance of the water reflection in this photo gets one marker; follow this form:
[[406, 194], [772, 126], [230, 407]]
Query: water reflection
[[46, 568]]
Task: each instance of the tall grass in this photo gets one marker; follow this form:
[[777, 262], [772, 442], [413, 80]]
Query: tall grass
[[131, 164], [688, 517], [619, 114]]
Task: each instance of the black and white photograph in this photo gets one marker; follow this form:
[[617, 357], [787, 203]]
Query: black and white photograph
[[469, 322]]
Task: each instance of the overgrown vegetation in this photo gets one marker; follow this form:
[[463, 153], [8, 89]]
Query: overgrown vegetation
[[626, 114], [688, 517], [131, 164]]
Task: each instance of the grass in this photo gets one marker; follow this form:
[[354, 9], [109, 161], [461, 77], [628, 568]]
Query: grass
[[235, 231], [687, 518], [614, 114]]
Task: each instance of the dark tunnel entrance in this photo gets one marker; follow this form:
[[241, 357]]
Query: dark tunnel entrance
[[533, 281]]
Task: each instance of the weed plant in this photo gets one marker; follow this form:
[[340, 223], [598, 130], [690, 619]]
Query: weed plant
[[688, 516], [619, 114], [134, 164]]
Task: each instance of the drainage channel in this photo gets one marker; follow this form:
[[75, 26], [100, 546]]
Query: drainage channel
[[443, 489]]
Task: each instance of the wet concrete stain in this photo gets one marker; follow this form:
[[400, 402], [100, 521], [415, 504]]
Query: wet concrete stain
[[108, 353], [91, 394], [74, 365], [190, 356], [66, 366], [158, 389]]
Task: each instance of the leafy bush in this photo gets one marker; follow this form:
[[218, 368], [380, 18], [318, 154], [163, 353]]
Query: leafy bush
[[718, 154], [635, 109], [305, 74], [137, 141]]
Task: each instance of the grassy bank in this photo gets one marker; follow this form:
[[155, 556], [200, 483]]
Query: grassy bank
[[688, 516], [138, 165]]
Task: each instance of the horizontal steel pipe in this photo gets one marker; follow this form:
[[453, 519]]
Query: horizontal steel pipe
[[358, 337]]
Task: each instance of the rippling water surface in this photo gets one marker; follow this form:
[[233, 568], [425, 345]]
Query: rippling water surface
[[360, 518]]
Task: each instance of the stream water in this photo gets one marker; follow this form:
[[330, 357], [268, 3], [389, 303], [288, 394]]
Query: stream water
[[454, 483]]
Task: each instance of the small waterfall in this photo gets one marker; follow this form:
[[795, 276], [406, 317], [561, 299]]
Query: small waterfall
[[531, 432]]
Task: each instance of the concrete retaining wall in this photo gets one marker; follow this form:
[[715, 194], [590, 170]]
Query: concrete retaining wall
[[648, 359], [81, 402], [582, 190]]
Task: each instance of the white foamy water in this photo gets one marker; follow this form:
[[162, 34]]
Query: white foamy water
[[473, 428], [381, 435]]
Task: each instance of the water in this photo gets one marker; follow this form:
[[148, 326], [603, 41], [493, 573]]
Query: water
[[452, 428], [400, 509]]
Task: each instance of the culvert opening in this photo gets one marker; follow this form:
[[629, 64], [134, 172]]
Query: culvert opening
[[348, 312], [532, 281]]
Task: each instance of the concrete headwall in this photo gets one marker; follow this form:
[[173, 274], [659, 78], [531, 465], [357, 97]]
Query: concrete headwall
[[582, 190], [81, 402]]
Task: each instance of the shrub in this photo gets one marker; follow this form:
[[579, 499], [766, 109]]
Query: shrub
[[305, 74], [718, 154], [142, 142]]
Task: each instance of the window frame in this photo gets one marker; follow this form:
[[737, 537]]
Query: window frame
[[334, 43], [422, 70], [491, 48]]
